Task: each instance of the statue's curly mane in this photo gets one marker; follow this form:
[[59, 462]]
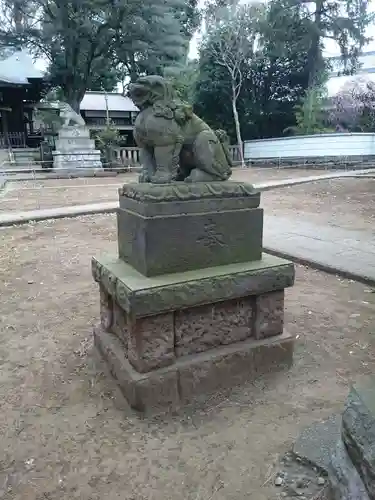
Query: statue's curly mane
[[161, 96], [173, 110]]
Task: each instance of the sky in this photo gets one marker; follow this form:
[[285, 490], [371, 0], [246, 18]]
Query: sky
[[331, 48]]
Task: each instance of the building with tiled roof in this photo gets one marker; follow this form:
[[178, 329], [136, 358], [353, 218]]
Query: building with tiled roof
[[21, 85]]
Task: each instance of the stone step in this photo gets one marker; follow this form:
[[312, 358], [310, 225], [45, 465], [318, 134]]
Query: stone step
[[25, 152], [25, 156]]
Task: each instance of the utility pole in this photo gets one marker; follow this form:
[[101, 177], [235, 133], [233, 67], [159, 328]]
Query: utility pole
[[106, 108]]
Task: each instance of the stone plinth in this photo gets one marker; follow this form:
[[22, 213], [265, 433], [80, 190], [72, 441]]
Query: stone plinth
[[75, 149], [179, 228], [358, 433], [190, 306], [343, 446], [170, 338]]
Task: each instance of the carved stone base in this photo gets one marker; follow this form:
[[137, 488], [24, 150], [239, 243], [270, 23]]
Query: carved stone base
[[194, 375], [168, 338], [76, 160], [75, 149]]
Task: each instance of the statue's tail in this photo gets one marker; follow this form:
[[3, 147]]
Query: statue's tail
[[224, 141]]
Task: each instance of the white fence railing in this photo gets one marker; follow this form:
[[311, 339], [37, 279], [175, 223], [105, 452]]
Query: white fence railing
[[130, 155], [333, 145]]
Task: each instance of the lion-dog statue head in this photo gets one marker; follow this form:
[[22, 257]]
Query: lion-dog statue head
[[149, 89]]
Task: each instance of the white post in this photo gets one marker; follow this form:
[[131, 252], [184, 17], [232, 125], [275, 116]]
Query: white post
[[106, 108]]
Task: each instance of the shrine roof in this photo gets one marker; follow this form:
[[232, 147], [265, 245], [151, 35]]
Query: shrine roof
[[96, 101], [18, 68]]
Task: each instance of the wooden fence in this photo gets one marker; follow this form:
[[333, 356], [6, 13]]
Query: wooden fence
[[13, 140], [130, 156]]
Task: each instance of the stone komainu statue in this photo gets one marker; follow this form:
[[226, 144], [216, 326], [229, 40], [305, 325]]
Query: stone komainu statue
[[69, 115], [176, 145]]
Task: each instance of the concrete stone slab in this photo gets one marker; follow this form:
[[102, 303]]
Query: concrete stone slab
[[17, 218], [317, 442], [195, 375], [141, 296], [187, 198], [348, 253], [345, 482], [358, 431]]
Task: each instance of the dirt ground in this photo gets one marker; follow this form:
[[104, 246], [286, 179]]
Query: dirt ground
[[39, 194], [347, 203], [65, 432]]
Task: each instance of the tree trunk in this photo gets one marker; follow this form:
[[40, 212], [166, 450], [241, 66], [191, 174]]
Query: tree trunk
[[73, 98], [75, 104], [314, 55], [18, 17], [238, 128]]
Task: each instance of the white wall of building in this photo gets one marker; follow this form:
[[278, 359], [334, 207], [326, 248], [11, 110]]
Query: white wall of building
[[311, 146]]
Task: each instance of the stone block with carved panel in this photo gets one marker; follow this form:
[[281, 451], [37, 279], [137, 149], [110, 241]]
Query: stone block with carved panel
[[148, 342], [190, 305], [75, 149], [176, 235], [269, 314], [201, 328]]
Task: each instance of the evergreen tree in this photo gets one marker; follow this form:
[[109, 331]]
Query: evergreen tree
[[83, 40], [345, 22], [274, 78], [310, 116]]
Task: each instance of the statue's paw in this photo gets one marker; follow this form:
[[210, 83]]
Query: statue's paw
[[161, 178], [197, 175], [143, 177]]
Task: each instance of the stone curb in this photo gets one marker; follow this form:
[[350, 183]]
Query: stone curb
[[321, 266], [11, 219], [18, 218], [266, 186]]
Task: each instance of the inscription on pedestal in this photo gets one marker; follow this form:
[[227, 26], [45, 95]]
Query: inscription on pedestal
[[211, 237]]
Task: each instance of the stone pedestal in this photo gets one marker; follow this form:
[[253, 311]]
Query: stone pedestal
[[190, 306], [75, 149]]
